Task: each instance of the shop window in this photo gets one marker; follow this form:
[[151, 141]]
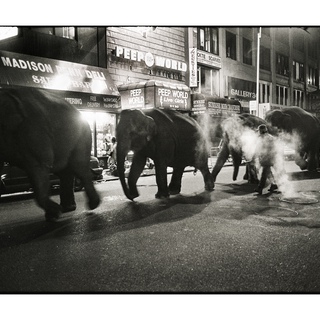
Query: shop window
[[102, 126], [312, 76], [282, 95], [208, 39], [231, 45], [247, 51], [298, 71], [282, 64], [265, 62], [298, 98], [8, 32]]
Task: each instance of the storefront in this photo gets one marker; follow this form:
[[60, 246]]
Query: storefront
[[88, 88], [155, 94]]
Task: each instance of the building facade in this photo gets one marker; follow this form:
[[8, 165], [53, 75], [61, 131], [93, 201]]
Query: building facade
[[187, 68], [227, 65]]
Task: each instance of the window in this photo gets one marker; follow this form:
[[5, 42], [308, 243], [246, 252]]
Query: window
[[8, 32], [264, 92], [312, 49], [298, 98], [312, 76], [247, 51], [65, 32], [282, 95], [298, 71], [208, 81], [208, 39], [231, 45], [265, 63], [282, 66], [298, 42]]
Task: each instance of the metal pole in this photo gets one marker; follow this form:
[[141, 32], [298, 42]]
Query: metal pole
[[258, 71]]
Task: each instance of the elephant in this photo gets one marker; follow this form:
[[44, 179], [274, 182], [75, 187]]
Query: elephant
[[170, 139], [239, 138], [301, 129], [42, 133]]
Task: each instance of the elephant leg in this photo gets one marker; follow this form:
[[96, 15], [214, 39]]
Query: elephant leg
[[312, 161], [83, 172], [39, 177], [162, 181], [67, 201], [138, 163], [208, 179], [237, 159], [221, 160], [251, 173], [175, 183]]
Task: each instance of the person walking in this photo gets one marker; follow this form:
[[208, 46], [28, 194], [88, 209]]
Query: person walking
[[266, 154]]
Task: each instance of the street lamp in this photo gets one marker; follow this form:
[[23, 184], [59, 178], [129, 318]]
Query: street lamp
[[258, 70]]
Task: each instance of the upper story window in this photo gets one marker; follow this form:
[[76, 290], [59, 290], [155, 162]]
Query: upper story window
[[298, 71], [298, 98], [8, 32], [282, 66], [208, 39], [298, 42], [65, 32], [265, 62], [312, 49], [312, 76], [282, 95], [231, 45], [247, 51]]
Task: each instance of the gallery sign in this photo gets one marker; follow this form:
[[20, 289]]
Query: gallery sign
[[241, 89]]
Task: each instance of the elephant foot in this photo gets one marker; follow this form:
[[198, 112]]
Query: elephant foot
[[52, 212], [69, 208], [94, 202], [174, 191], [162, 196]]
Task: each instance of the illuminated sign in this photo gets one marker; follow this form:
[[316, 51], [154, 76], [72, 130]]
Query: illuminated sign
[[149, 59], [193, 74], [208, 59]]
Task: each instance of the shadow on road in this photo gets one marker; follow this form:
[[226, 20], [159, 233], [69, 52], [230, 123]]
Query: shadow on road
[[303, 175], [91, 225]]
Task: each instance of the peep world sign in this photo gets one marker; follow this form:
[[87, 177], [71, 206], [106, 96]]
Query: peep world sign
[[149, 59]]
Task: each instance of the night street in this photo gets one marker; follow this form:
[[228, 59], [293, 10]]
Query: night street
[[226, 241]]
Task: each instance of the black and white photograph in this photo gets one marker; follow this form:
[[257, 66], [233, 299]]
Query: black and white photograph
[[175, 160]]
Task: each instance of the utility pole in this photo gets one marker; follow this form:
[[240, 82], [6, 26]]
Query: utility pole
[[258, 70]]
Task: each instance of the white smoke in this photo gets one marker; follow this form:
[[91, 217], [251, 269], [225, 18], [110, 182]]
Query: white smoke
[[245, 139]]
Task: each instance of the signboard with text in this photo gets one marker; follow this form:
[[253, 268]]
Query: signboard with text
[[37, 72]]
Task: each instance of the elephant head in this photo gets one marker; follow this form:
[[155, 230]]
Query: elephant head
[[135, 132], [280, 120]]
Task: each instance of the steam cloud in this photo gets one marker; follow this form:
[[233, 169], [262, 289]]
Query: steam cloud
[[245, 139]]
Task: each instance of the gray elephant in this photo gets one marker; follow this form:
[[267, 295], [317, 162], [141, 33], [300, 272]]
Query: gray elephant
[[169, 139], [301, 129], [41, 132], [239, 139]]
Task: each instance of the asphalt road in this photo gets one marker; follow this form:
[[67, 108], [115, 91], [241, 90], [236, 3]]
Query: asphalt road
[[226, 241]]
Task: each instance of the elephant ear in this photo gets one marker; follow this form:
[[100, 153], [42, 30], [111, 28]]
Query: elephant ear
[[151, 128], [287, 122]]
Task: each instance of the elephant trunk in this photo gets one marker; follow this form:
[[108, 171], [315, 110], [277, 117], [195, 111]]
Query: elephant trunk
[[236, 159], [123, 148]]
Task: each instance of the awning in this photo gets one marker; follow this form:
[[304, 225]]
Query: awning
[[84, 86], [214, 106], [155, 94]]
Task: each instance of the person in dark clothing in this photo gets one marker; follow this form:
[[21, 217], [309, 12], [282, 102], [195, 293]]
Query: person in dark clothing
[[266, 154]]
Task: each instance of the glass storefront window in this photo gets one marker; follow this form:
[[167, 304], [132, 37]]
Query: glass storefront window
[[102, 126]]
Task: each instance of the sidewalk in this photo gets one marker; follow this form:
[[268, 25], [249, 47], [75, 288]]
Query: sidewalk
[[149, 172]]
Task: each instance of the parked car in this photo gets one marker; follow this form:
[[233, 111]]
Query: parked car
[[14, 179]]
